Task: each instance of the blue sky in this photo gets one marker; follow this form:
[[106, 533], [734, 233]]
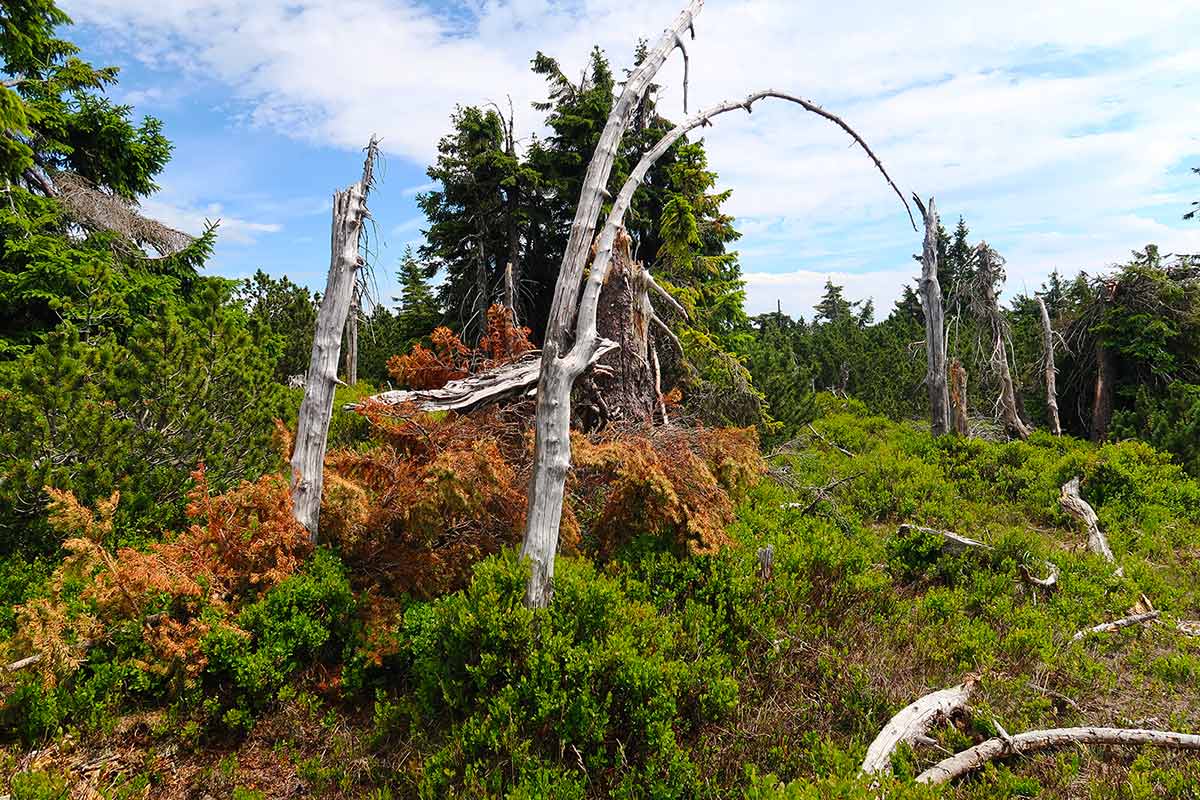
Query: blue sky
[[1063, 132]]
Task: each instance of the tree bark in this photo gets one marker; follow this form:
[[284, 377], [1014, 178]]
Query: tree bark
[[911, 723], [1050, 369], [352, 339], [1102, 398], [623, 316], [958, 397], [976, 757], [935, 327], [312, 429]]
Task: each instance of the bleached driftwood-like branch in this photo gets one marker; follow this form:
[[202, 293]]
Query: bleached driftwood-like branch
[[312, 428], [912, 722], [1074, 504], [1116, 625], [478, 390], [976, 757]]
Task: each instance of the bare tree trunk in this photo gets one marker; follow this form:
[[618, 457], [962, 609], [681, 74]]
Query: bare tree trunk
[[510, 293], [552, 446], [976, 757], [958, 397], [989, 310], [312, 428], [1050, 369], [352, 338], [1102, 400], [935, 326]]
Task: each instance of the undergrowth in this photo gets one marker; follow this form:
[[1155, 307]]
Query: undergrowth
[[676, 661]]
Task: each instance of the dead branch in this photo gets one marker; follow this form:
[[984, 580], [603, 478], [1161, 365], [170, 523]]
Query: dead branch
[[1048, 582], [834, 445], [1074, 504], [666, 297], [1116, 625], [96, 210], [951, 541], [912, 722], [976, 757]]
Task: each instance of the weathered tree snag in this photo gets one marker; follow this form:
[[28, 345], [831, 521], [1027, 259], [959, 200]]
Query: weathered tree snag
[[935, 325], [912, 722], [312, 429], [1050, 370], [624, 313], [352, 337], [958, 397], [988, 310], [976, 757], [517, 379], [552, 445], [510, 293], [1074, 504], [1116, 625]]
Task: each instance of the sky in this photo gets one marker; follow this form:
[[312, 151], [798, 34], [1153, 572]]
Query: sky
[[1063, 132]]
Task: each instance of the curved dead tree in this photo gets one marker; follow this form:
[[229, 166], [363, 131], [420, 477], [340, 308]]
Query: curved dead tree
[[312, 429], [984, 305], [560, 365], [935, 323], [1050, 370]]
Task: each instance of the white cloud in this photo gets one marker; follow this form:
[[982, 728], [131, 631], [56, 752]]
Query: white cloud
[[1027, 117], [191, 219]]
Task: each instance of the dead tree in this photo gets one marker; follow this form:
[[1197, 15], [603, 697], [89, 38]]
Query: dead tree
[[976, 757], [1074, 504], [1049, 368], [911, 723], [987, 309], [935, 327], [958, 397], [564, 360], [312, 429]]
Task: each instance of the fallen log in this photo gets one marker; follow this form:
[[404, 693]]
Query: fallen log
[[517, 379], [1074, 504], [1116, 625], [912, 722], [976, 757]]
